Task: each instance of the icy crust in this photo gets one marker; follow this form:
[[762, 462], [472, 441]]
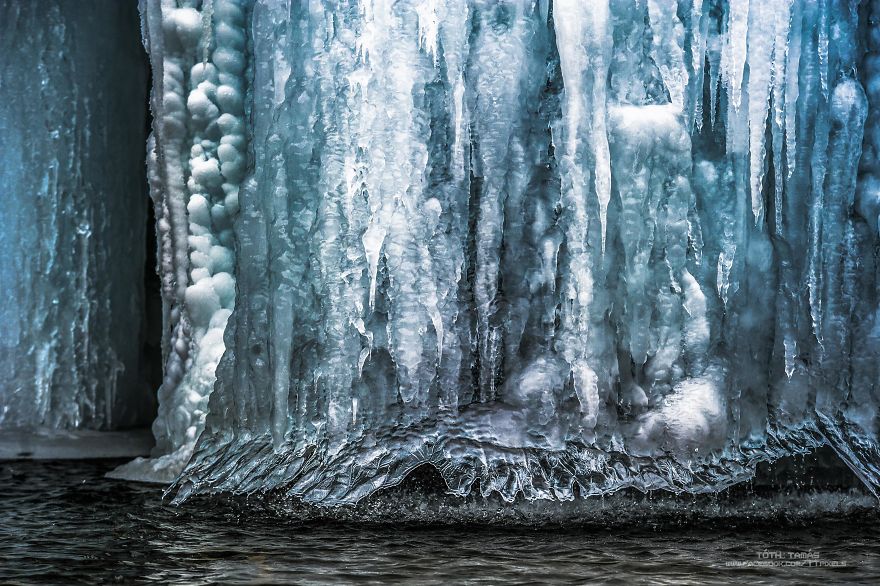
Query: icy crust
[[382, 459], [548, 245]]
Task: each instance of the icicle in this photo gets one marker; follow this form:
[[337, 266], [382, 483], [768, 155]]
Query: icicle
[[714, 53], [373, 239], [700, 33], [734, 53], [601, 35], [762, 33], [667, 49], [782, 11], [792, 71], [583, 41], [822, 48], [428, 27], [207, 29]]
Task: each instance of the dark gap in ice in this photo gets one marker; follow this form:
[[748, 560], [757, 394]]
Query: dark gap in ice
[[149, 330], [151, 326], [151, 353]]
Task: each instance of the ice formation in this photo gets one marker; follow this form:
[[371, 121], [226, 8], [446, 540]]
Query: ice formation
[[196, 163], [552, 248], [73, 216]]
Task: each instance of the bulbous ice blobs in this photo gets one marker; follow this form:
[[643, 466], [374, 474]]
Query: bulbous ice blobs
[[175, 370], [202, 302], [163, 226], [229, 60], [233, 168], [586, 388], [219, 319], [193, 399], [224, 285], [229, 124], [229, 36], [211, 346], [230, 202], [204, 73], [633, 397], [221, 260], [689, 422], [534, 389], [200, 106], [220, 217], [229, 99], [181, 418], [207, 173], [705, 174], [198, 210], [199, 273], [187, 26], [200, 247]]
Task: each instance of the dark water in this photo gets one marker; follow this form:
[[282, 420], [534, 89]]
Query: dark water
[[62, 522]]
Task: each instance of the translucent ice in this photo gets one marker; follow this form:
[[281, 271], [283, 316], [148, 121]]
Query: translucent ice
[[552, 248], [72, 215]]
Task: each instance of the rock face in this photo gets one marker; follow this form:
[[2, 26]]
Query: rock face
[[72, 216]]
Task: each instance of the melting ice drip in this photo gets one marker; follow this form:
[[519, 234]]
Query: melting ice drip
[[553, 248]]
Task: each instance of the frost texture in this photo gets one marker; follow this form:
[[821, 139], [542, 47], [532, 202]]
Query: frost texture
[[72, 215], [553, 249]]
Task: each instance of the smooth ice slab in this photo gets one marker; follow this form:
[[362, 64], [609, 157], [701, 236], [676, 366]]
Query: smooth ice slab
[[59, 444]]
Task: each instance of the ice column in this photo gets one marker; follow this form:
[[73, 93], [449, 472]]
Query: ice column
[[197, 161]]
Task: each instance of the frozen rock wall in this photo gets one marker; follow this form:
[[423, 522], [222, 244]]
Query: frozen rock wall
[[552, 248], [72, 215]]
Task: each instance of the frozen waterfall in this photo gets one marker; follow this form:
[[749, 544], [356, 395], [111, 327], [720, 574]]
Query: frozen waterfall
[[554, 248], [72, 216]]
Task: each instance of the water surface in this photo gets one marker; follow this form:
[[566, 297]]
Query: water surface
[[63, 522]]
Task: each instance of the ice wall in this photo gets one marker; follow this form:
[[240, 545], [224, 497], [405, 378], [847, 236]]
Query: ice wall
[[553, 249], [72, 215]]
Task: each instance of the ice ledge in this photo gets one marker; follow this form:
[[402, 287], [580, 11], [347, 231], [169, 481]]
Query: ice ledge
[[161, 470], [53, 444], [249, 465]]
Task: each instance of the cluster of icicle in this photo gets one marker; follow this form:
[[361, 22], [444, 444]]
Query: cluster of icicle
[[552, 248]]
